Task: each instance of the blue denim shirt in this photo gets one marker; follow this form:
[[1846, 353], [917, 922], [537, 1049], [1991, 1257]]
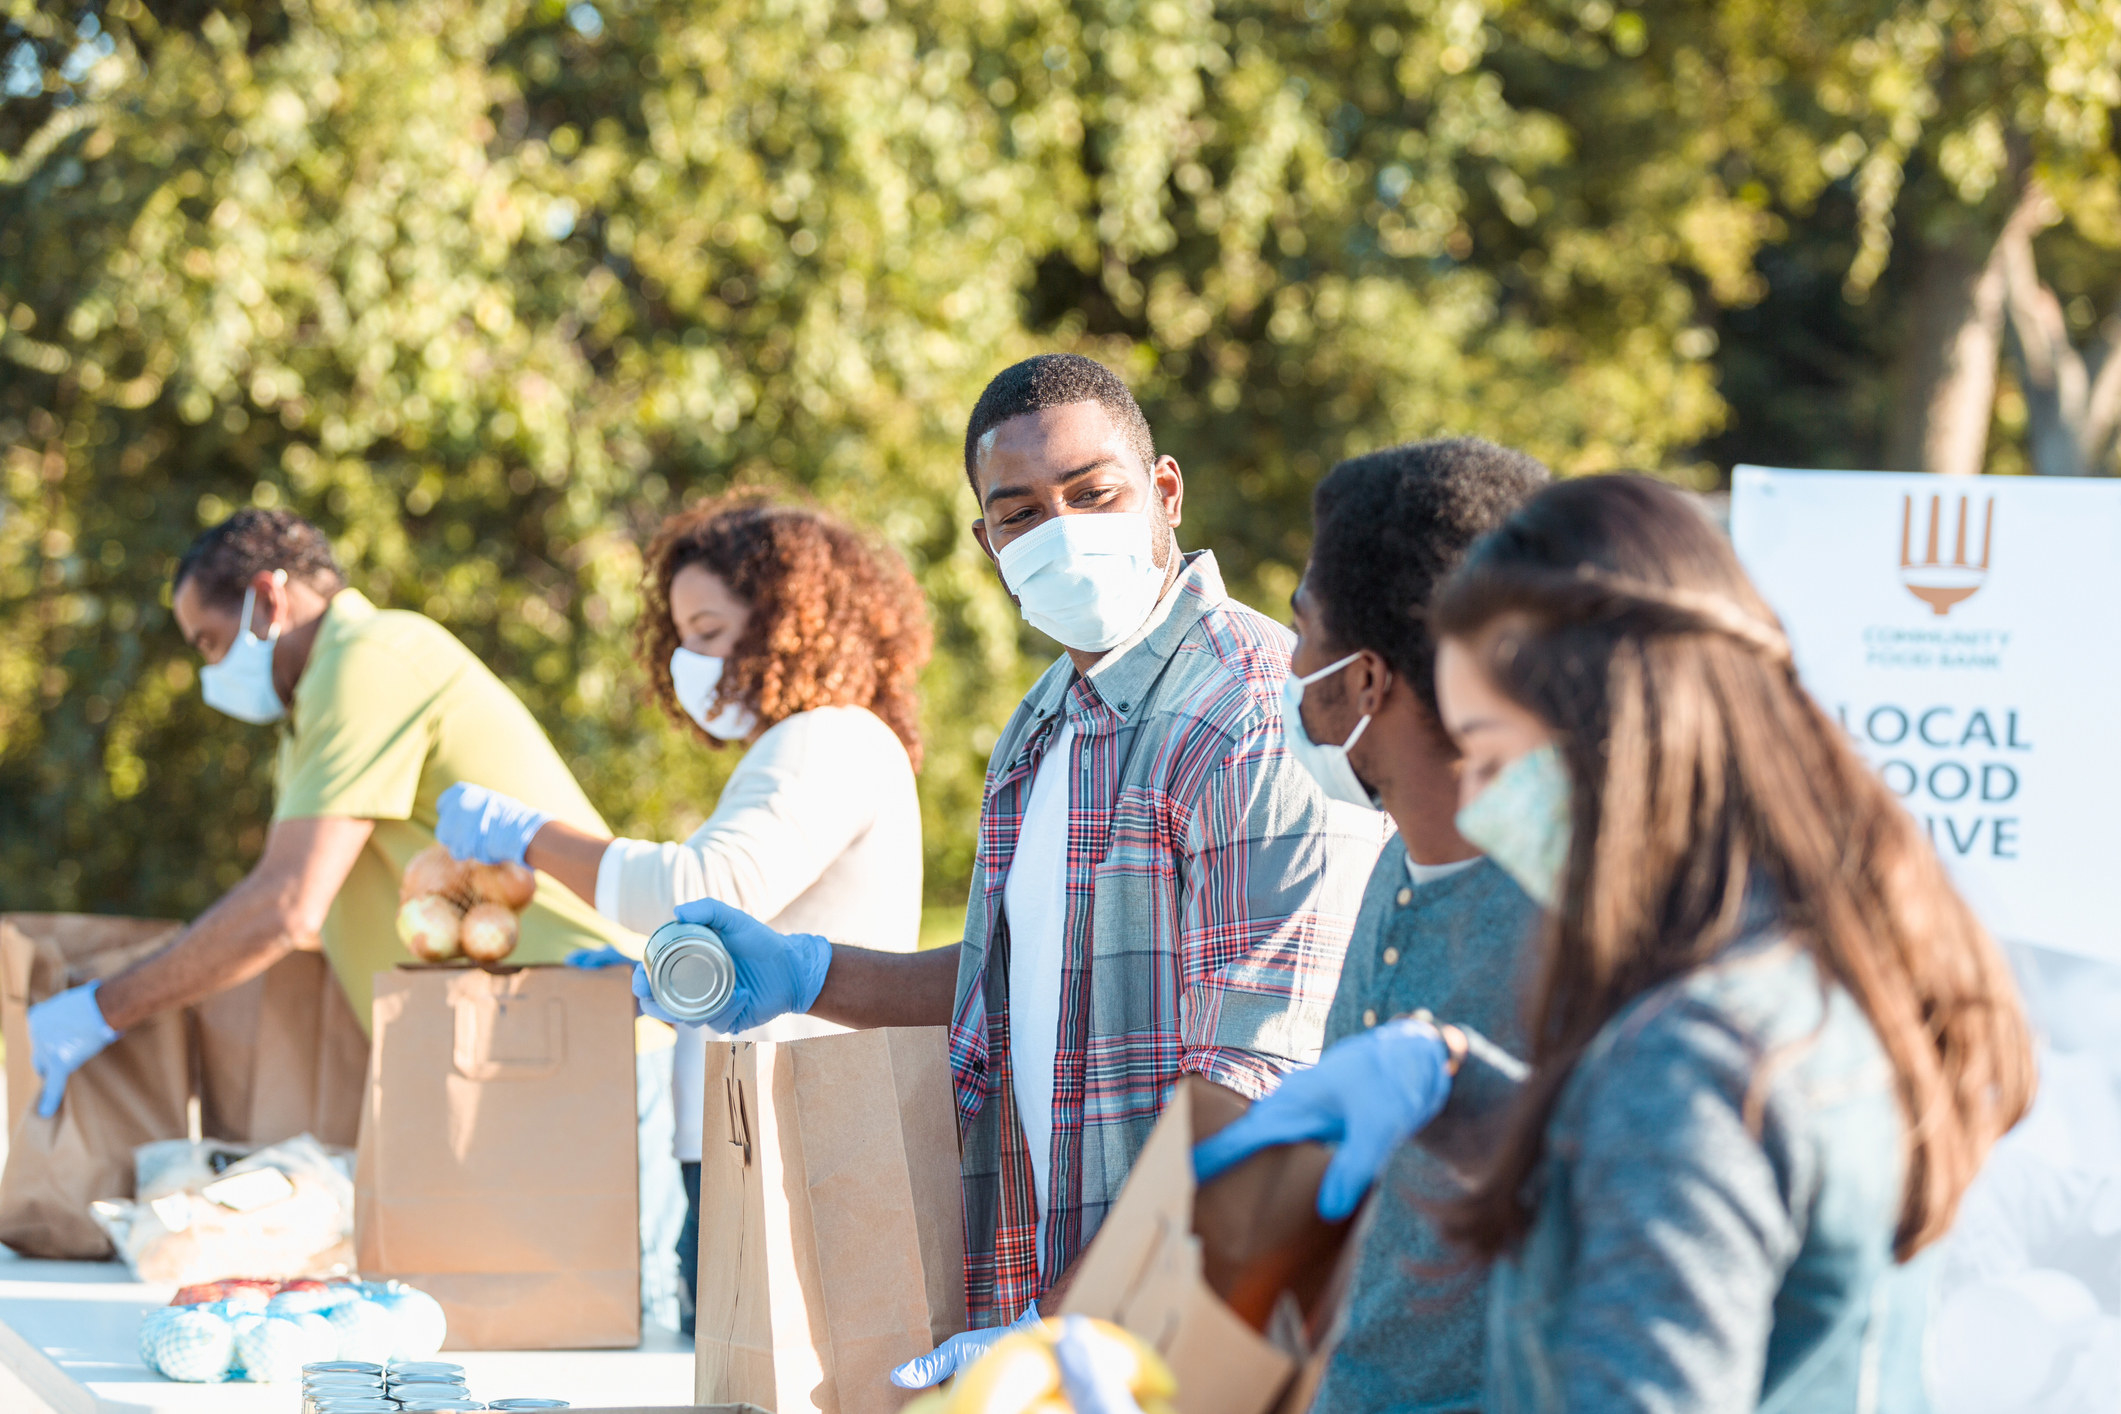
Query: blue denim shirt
[[1416, 1314], [1692, 1251]]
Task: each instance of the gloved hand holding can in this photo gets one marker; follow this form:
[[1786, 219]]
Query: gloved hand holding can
[[717, 966]]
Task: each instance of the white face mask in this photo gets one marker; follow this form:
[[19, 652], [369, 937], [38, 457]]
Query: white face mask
[[241, 683], [695, 676], [1328, 765], [1088, 580]]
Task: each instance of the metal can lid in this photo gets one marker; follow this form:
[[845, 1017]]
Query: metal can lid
[[352, 1406], [342, 1367], [343, 1382], [423, 1367], [529, 1404], [675, 932], [689, 971], [436, 1406]]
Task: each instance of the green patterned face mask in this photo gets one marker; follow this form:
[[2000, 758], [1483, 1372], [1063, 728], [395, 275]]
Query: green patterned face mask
[[1521, 821]]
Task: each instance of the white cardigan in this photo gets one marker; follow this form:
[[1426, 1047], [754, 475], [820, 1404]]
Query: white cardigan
[[817, 831]]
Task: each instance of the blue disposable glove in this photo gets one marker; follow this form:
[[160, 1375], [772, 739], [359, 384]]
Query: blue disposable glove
[[1094, 1369], [472, 822], [1367, 1095], [958, 1352], [64, 1031], [649, 1005], [590, 959]]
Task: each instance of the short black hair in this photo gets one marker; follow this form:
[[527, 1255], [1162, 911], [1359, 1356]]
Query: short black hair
[[1391, 525], [1051, 381], [223, 560]]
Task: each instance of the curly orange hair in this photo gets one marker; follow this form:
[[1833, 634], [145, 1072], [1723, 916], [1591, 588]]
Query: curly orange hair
[[835, 620]]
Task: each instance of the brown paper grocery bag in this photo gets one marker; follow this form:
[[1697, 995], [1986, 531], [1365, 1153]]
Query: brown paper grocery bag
[[497, 1164], [831, 1220], [1239, 1284], [281, 1055], [136, 1090]]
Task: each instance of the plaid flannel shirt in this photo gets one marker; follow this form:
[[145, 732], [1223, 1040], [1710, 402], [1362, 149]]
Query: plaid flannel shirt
[[1211, 891]]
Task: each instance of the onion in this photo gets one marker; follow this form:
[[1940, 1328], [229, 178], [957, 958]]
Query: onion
[[429, 927], [488, 933], [432, 871], [509, 885]]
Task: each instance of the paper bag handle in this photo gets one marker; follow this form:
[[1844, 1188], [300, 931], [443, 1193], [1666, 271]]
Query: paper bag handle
[[497, 1041]]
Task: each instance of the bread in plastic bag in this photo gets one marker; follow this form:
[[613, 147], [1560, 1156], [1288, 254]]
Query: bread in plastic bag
[[206, 1211]]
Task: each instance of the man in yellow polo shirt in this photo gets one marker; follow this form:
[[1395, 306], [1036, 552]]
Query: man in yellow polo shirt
[[384, 711]]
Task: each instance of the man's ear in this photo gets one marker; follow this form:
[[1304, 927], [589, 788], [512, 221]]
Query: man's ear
[[268, 592], [1371, 682], [979, 533], [1170, 487]]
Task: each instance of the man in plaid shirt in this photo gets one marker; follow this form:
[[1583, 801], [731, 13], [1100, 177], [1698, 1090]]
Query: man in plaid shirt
[[1160, 888]]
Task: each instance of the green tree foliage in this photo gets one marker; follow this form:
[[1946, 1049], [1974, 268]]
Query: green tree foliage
[[488, 286]]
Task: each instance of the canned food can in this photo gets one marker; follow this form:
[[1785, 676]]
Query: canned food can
[[344, 1392], [529, 1404], [314, 1393], [689, 971], [427, 1387], [342, 1367]]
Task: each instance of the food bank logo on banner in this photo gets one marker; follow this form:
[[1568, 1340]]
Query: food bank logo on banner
[[1963, 633], [1938, 582]]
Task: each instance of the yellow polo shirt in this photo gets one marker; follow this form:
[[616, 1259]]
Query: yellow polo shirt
[[390, 712]]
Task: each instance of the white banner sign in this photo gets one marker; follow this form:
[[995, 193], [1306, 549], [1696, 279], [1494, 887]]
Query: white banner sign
[[1967, 633]]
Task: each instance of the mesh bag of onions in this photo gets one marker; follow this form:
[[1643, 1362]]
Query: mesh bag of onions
[[449, 907]]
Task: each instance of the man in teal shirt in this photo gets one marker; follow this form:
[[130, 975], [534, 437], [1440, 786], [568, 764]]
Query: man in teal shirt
[[1440, 926]]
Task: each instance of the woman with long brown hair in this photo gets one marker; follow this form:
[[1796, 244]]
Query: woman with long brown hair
[[1770, 1043], [781, 630]]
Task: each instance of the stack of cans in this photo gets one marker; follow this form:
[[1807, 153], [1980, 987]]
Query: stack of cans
[[428, 1385], [419, 1386], [344, 1387]]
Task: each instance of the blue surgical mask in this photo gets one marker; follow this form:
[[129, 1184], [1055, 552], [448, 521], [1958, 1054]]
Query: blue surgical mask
[[1522, 822], [1089, 580], [694, 677], [1328, 764], [241, 683]]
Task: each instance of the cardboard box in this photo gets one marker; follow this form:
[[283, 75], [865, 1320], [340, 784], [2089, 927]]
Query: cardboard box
[[1239, 1285]]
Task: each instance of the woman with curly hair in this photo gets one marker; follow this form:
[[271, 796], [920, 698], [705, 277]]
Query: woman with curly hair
[[783, 631], [1770, 1045]]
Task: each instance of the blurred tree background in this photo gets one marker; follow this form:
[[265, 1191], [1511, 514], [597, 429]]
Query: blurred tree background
[[486, 287]]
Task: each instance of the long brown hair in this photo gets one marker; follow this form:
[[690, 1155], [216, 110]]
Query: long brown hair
[[1612, 609], [835, 621]]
